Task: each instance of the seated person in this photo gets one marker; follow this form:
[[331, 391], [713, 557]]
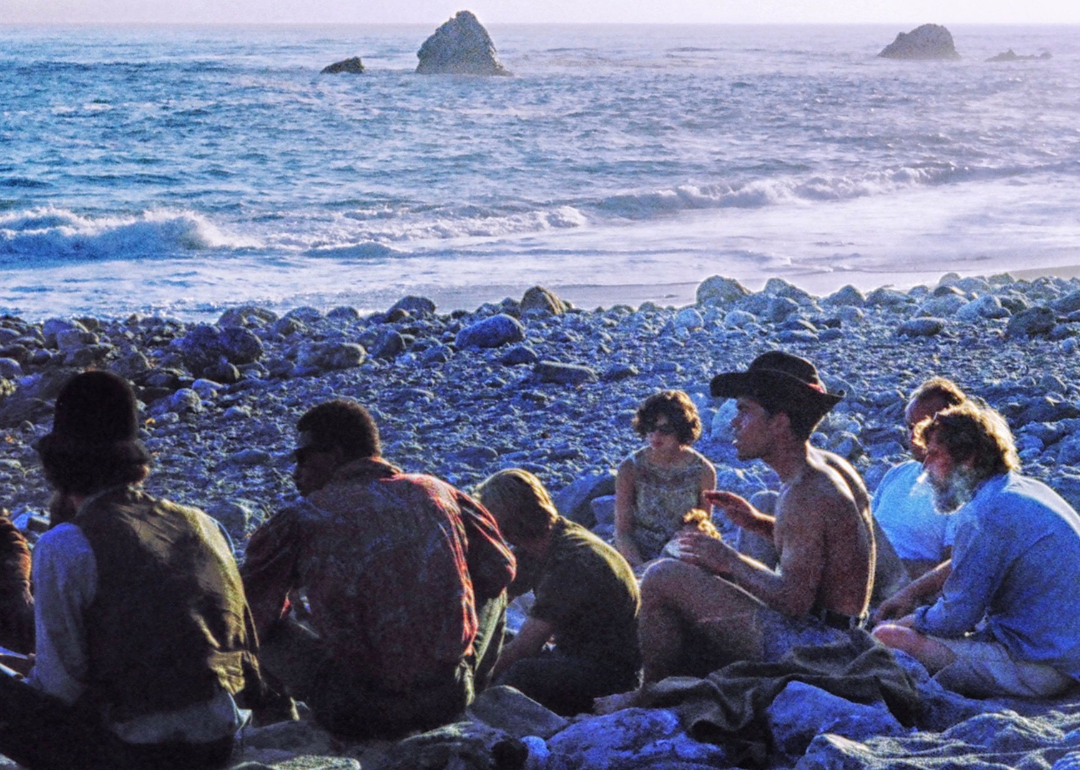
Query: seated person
[[904, 501], [713, 606], [16, 603], [1008, 618], [587, 601], [143, 633], [393, 565], [661, 481]]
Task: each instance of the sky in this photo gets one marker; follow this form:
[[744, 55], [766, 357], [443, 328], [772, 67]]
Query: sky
[[433, 12]]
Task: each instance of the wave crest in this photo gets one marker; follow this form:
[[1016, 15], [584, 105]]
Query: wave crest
[[60, 235], [760, 193]]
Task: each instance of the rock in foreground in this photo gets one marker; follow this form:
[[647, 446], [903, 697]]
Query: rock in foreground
[[461, 46], [930, 41]]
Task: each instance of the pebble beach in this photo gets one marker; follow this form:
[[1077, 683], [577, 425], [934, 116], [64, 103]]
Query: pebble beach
[[533, 382]]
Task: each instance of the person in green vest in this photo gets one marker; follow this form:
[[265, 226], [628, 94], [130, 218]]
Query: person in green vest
[[144, 636]]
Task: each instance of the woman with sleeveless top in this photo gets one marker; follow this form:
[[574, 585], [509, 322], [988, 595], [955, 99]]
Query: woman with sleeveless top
[[659, 483]]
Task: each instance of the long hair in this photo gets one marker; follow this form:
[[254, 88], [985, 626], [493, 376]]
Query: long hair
[[971, 432], [74, 470]]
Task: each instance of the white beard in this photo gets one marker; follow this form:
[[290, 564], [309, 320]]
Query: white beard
[[953, 492]]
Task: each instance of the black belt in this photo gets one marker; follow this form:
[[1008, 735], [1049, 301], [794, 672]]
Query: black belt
[[839, 620]]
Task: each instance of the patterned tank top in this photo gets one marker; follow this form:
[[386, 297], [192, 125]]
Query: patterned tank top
[[662, 496]]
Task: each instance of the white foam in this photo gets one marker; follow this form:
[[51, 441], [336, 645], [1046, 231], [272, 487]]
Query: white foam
[[52, 234], [787, 190]]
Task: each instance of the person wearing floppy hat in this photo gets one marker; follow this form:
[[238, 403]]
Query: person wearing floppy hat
[[780, 381], [712, 605], [144, 634]]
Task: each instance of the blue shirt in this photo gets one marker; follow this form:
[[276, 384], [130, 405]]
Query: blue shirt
[[1016, 561], [904, 507]]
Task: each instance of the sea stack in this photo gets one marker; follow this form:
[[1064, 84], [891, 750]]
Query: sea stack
[[353, 66], [461, 46], [1011, 55], [930, 41]]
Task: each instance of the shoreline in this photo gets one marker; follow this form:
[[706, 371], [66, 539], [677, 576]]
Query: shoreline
[[684, 293], [585, 296]]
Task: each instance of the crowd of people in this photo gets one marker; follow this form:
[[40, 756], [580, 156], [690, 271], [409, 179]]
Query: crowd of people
[[379, 599]]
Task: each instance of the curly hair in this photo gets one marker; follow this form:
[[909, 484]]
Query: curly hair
[[970, 432], [342, 423], [679, 410], [520, 504]]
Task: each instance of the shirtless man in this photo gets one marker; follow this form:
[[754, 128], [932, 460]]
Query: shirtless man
[[716, 601]]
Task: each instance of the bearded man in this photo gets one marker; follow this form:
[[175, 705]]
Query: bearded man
[[1008, 618]]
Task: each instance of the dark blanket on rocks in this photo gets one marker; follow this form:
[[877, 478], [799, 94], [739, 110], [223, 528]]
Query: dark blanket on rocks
[[729, 706]]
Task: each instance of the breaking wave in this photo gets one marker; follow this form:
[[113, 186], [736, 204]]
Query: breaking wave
[[58, 235]]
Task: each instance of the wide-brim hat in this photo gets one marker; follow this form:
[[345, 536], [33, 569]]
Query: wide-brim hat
[[779, 380], [96, 414]]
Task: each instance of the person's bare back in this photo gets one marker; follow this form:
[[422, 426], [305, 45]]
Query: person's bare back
[[818, 511], [888, 570]]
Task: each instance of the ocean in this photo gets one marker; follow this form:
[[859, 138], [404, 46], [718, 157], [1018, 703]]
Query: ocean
[[182, 170]]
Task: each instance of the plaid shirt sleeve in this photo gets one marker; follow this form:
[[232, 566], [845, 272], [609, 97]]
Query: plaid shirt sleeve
[[269, 571], [491, 563]]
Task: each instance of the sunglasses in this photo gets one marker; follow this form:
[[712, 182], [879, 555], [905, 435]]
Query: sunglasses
[[666, 428]]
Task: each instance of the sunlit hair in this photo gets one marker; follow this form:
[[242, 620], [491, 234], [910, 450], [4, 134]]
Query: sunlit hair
[[520, 504], [968, 431], [679, 410], [939, 389], [342, 424]]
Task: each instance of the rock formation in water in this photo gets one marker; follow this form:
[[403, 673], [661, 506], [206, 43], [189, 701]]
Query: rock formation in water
[[930, 41], [353, 66], [1011, 55], [461, 46]]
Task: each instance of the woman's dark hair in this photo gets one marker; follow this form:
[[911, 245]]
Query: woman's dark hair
[[679, 410], [344, 424]]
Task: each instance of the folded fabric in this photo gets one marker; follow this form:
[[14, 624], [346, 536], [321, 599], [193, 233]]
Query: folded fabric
[[729, 706]]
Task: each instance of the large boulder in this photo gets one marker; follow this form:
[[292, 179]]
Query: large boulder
[[718, 290], [930, 41], [461, 46], [648, 739], [204, 346], [540, 300], [491, 332]]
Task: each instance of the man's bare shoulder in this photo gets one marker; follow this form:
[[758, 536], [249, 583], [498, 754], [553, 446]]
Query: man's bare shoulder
[[819, 490], [851, 477]]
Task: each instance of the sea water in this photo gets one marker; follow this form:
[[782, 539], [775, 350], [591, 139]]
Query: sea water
[[183, 170]]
